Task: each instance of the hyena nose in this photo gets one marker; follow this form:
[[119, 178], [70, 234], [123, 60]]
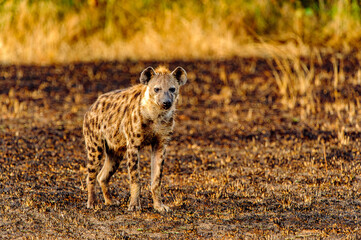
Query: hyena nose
[[167, 104]]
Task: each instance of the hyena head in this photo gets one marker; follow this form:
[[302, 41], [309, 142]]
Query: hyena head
[[163, 85]]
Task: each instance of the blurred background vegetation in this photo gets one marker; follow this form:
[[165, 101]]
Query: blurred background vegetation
[[46, 31]]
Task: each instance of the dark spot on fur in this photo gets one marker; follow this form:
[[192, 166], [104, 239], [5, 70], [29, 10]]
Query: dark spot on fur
[[91, 138], [144, 125], [118, 91], [134, 176], [86, 125], [96, 105], [107, 106], [138, 135], [118, 108], [125, 110], [91, 170], [100, 157], [111, 116], [131, 128], [136, 94], [99, 149], [134, 167], [130, 104]]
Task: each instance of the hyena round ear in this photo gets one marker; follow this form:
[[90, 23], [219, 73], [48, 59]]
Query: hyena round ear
[[146, 75], [181, 75]]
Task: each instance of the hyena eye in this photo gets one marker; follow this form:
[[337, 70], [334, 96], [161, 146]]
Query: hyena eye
[[172, 89], [156, 89]]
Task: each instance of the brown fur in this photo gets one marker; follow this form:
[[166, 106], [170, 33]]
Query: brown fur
[[120, 123]]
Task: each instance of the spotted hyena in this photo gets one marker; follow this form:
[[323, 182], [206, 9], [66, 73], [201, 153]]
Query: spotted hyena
[[120, 123]]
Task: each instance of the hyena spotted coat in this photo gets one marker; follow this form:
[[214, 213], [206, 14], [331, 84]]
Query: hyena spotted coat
[[120, 123]]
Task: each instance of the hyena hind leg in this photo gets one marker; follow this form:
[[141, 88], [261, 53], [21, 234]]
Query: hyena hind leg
[[94, 164], [110, 166]]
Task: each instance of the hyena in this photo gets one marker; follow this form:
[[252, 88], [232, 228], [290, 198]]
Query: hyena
[[120, 123]]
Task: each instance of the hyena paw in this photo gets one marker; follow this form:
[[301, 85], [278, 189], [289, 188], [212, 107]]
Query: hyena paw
[[111, 202], [90, 204], [134, 207], [162, 208]]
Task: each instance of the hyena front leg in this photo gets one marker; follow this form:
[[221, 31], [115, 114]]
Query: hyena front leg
[[157, 160], [133, 172]]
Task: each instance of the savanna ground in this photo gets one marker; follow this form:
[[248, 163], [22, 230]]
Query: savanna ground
[[255, 154]]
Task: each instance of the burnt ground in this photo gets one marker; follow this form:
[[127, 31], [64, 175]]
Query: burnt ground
[[242, 164]]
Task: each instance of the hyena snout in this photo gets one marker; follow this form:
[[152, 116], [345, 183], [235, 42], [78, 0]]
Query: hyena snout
[[166, 101], [167, 104]]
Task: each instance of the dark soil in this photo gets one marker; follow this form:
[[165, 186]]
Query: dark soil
[[241, 164]]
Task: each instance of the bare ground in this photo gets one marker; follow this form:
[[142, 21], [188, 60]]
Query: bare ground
[[241, 164]]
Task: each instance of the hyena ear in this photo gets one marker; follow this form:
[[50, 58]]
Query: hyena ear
[[181, 75], [146, 75]]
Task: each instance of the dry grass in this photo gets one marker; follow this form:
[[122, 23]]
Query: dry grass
[[302, 88], [66, 31]]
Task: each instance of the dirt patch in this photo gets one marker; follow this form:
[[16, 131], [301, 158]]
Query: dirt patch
[[241, 164]]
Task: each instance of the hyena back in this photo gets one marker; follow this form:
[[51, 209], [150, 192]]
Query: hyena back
[[120, 123]]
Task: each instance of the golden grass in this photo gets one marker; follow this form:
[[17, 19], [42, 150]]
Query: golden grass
[[65, 31], [298, 83]]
